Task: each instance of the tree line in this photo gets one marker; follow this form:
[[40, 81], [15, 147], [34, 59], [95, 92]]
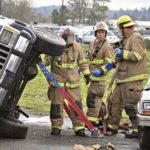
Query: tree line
[[81, 12], [76, 12], [143, 14]]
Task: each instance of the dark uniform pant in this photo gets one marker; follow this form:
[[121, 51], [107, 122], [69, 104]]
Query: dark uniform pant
[[56, 111], [125, 96]]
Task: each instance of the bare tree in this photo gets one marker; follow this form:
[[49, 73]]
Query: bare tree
[[78, 9], [98, 11], [23, 10], [18, 9], [90, 10]]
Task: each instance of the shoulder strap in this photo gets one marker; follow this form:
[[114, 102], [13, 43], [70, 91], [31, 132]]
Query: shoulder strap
[[97, 49]]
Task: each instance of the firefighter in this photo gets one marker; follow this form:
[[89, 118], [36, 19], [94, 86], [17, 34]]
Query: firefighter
[[65, 69], [132, 70], [101, 58]]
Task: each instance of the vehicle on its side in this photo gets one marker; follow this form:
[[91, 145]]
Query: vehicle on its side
[[20, 48], [144, 118]]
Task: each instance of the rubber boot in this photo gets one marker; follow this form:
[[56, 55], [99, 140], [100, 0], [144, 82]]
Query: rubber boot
[[114, 131], [55, 131], [131, 135], [80, 132]]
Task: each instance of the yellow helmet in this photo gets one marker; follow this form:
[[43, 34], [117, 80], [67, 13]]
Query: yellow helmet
[[125, 21]]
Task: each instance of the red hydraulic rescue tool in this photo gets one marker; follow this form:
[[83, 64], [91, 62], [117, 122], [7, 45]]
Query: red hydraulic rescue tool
[[50, 78]]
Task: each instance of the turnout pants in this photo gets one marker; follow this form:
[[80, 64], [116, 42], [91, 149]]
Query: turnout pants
[[94, 100], [56, 110], [125, 96]]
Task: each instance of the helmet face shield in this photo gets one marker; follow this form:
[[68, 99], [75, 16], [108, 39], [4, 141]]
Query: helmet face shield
[[68, 35], [70, 39]]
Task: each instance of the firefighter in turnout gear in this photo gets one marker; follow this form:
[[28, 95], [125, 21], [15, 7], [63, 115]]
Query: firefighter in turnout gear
[[101, 58], [132, 70], [65, 69]]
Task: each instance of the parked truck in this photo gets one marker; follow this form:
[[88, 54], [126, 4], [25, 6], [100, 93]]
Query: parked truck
[[20, 48], [144, 118]]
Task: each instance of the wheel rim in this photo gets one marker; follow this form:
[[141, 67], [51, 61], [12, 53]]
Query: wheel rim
[[47, 34]]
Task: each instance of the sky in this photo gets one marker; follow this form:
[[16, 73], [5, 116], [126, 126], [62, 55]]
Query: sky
[[114, 4]]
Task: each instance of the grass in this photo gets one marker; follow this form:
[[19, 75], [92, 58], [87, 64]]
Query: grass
[[34, 97]]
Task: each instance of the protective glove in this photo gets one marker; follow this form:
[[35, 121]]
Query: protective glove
[[110, 65], [87, 78], [97, 72], [119, 52]]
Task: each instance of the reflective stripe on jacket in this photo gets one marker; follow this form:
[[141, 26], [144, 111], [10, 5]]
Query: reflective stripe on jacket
[[99, 59], [134, 64], [65, 67]]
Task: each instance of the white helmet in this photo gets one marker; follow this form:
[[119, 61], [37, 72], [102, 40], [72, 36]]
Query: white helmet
[[101, 26]]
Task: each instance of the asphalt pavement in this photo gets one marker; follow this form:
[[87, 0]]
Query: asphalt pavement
[[39, 138]]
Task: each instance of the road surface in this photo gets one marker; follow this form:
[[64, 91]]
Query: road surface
[[39, 138]]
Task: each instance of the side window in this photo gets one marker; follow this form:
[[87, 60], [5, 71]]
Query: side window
[[87, 34], [92, 33]]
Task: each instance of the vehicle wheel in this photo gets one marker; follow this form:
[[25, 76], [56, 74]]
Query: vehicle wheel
[[48, 42], [9, 129], [144, 137]]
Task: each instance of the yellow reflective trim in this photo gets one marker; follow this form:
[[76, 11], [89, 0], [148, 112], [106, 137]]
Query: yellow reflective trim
[[135, 78], [115, 127], [100, 119], [137, 55], [93, 119], [66, 66], [86, 71], [104, 69], [93, 78], [78, 128], [12, 29], [82, 61], [58, 127], [97, 61], [106, 116], [69, 85], [125, 54], [108, 59], [135, 129]]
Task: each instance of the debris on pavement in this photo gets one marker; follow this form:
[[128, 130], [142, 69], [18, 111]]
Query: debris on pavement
[[109, 146]]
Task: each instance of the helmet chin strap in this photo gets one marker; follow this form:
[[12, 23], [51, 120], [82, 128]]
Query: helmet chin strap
[[122, 31], [105, 33]]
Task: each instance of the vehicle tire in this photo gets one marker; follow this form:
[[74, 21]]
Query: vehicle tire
[[144, 137], [48, 42], [9, 129]]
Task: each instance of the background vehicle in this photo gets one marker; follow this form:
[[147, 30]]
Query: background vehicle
[[20, 47], [144, 118], [89, 36]]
